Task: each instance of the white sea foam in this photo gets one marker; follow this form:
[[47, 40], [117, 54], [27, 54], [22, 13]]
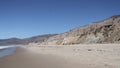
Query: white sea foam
[[8, 50], [3, 47]]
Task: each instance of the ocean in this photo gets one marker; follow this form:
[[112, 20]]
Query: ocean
[[7, 50]]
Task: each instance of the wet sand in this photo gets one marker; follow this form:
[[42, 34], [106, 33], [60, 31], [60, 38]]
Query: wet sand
[[61, 56]]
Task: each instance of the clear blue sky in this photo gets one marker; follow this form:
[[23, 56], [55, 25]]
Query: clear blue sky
[[25, 18]]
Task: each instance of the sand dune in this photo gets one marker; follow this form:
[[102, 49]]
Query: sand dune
[[77, 56]]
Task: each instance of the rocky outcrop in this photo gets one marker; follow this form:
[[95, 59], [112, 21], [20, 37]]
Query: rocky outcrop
[[106, 31]]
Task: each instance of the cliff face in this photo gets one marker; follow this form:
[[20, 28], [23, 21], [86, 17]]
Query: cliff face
[[106, 31]]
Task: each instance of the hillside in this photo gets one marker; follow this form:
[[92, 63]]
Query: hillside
[[10, 41], [102, 32], [106, 31], [17, 41]]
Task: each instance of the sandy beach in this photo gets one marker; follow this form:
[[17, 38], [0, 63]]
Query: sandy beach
[[61, 56]]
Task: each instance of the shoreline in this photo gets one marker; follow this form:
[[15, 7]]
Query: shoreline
[[7, 51], [88, 56]]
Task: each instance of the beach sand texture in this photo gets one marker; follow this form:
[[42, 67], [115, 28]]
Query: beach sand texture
[[64, 56]]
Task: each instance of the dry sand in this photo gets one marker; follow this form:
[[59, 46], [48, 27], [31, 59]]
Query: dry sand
[[76, 56]]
